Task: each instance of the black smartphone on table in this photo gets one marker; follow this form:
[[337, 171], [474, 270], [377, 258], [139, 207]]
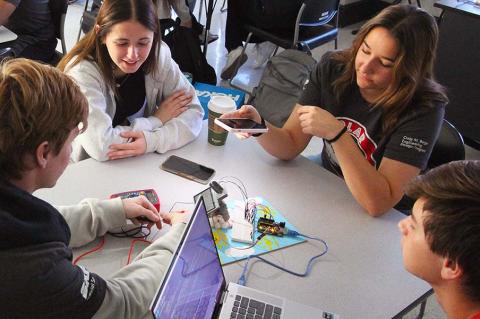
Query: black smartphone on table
[[188, 169]]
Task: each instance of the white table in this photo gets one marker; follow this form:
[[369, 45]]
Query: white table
[[362, 276], [6, 35]]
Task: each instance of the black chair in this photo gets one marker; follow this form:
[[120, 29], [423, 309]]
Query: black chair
[[6, 53], [449, 146], [89, 16], [418, 3], [58, 9], [316, 24]]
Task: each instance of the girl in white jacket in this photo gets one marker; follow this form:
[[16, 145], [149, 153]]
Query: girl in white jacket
[[139, 101]]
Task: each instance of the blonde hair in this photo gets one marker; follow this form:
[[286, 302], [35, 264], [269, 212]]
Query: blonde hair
[[37, 103], [416, 33]]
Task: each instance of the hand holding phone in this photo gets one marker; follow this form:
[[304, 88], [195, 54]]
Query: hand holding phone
[[241, 125], [188, 169], [245, 112]]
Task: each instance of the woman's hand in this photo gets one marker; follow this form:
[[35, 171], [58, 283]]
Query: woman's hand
[[318, 122], [135, 145], [245, 112], [173, 106], [140, 210]]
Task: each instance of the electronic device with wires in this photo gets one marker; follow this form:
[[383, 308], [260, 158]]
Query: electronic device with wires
[[150, 194], [243, 232], [212, 197], [196, 274], [217, 210], [270, 227]]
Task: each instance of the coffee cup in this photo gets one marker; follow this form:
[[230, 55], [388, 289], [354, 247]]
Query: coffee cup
[[217, 106]]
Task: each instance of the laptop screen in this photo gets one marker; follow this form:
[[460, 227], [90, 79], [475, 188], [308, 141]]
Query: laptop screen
[[194, 282]]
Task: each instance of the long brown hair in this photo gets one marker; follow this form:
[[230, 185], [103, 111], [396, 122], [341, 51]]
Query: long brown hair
[[416, 33], [112, 12]]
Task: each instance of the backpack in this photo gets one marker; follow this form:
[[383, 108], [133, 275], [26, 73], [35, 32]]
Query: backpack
[[185, 47], [281, 85]]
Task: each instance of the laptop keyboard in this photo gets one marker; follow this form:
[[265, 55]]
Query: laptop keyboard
[[246, 308]]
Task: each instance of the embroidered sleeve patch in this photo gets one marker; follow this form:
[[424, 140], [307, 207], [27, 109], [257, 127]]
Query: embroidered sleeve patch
[[414, 143], [88, 285]]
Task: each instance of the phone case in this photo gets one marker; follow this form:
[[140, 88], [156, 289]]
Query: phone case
[[240, 130], [183, 174]]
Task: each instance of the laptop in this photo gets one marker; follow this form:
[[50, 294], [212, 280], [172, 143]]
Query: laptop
[[194, 285], [6, 35]]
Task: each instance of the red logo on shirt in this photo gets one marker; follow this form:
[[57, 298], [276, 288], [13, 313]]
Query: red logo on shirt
[[364, 141]]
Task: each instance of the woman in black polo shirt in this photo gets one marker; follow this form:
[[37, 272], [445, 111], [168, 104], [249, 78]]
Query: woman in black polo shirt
[[376, 105]]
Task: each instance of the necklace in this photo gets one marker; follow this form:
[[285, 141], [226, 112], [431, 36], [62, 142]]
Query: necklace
[[122, 81]]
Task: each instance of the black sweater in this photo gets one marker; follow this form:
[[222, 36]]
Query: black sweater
[[38, 279]]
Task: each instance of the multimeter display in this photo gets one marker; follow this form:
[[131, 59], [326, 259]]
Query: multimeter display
[[150, 194]]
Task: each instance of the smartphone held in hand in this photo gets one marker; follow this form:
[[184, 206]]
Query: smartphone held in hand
[[241, 125], [188, 169]]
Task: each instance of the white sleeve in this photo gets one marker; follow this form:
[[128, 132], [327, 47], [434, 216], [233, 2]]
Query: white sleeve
[[187, 126], [92, 218], [131, 289], [100, 134]]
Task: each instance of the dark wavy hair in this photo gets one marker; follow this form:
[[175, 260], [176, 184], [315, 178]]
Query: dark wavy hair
[[452, 217], [112, 12], [416, 33]]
